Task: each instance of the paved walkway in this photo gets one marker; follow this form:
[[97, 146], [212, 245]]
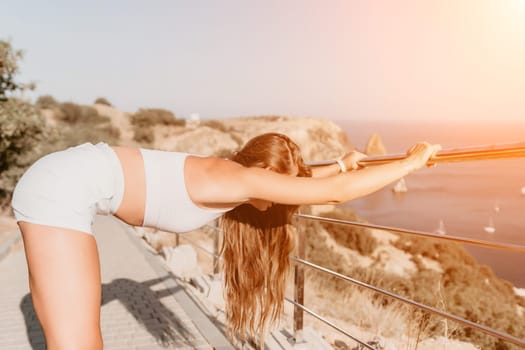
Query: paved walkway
[[8, 234], [143, 307]]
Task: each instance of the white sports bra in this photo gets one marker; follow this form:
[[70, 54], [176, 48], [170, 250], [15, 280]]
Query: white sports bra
[[168, 205]]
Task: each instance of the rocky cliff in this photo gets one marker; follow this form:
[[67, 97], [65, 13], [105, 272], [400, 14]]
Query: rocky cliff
[[318, 139]]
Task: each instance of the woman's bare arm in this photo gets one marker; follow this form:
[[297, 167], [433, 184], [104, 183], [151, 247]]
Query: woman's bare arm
[[325, 170], [213, 180], [326, 190]]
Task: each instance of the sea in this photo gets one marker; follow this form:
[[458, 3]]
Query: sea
[[465, 197]]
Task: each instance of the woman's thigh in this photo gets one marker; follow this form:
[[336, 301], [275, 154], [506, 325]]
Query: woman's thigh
[[64, 278]]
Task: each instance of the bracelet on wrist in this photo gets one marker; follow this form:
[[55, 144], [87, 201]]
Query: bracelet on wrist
[[342, 165]]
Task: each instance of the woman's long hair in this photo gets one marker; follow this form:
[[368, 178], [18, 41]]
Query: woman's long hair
[[257, 244]]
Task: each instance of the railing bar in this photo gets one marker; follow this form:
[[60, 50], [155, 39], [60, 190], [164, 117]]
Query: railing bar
[[216, 243], [213, 227], [337, 328], [482, 152], [458, 319], [451, 156], [482, 243], [198, 246], [299, 284], [480, 327], [487, 244], [485, 329], [296, 304]]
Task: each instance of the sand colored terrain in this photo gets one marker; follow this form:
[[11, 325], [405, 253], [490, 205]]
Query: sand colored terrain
[[120, 120]]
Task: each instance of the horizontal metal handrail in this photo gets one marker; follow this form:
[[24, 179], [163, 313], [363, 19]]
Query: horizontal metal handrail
[[485, 329], [181, 235], [511, 150], [482, 328], [448, 237], [483, 152]]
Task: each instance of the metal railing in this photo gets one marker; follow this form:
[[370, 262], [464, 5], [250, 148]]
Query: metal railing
[[302, 262], [214, 254], [464, 154]]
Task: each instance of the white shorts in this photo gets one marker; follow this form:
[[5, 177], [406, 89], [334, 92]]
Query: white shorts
[[67, 188]]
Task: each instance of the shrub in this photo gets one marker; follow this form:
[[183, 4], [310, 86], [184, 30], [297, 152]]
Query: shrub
[[144, 135], [359, 239], [103, 101], [144, 120], [22, 130], [8, 69], [73, 113], [79, 124], [67, 136], [469, 290], [155, 116], [46, 102]]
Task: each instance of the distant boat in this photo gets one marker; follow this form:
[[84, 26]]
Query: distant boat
[[490, 228], [496, 207], [523, 190], [441, 228], [401, 186]]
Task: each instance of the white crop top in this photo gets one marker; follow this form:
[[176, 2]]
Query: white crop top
[[168, 205]]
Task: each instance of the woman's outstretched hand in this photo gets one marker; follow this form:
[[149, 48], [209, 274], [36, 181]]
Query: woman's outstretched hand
[[419, 154], [352, 158]]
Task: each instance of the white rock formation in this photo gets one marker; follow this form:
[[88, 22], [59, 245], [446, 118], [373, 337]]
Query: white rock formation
[[182, 260]]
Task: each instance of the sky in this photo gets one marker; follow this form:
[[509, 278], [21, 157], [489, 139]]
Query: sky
[[336, 59]]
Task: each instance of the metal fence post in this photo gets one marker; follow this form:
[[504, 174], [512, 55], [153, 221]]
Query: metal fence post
[[299, 286], [216, 239]]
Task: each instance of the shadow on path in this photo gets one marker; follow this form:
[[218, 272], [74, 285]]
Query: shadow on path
[[141, 302]]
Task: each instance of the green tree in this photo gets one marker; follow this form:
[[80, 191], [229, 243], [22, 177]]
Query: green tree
[[22, 130], [9, 59], [22, 127]]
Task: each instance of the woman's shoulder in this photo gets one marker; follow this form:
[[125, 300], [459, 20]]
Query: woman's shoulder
[[212, 164]]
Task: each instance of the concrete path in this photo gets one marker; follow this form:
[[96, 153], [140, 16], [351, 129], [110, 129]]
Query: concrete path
[[8, 234], [143, 307]]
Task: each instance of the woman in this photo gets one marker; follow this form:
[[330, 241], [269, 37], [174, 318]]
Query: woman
[[56, 199]]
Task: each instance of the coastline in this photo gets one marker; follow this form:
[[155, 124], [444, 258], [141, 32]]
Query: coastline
[[462, 195]]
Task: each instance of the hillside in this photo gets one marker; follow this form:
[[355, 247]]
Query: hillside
[[318, 139]]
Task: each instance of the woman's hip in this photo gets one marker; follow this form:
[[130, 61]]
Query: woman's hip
[[67, 188]]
